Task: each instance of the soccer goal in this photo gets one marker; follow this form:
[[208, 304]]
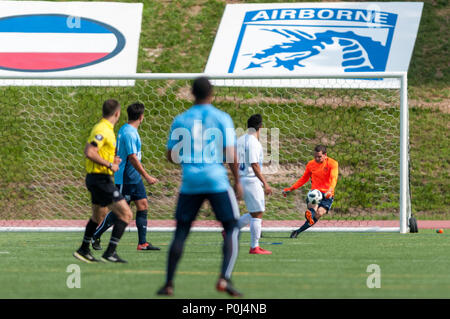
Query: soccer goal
[[362, 118]]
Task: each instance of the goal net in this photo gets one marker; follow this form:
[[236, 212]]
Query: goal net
[[43, 130]]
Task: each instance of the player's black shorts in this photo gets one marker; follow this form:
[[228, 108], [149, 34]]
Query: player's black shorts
[[224, 205], [132, 192], [326, 202], [102, 189]]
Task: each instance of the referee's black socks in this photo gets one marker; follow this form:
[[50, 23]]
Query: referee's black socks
[[88, 233], [117, 232]]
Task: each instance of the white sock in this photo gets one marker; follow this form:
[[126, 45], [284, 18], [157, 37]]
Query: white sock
[[255, 231], [244, 220]]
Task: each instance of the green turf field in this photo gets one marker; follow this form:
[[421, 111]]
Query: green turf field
[[315, 265]]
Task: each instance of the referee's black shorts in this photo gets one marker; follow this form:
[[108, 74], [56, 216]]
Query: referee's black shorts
[[103, 190]]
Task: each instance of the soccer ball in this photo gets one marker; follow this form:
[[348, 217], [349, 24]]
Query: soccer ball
[[314, 197]]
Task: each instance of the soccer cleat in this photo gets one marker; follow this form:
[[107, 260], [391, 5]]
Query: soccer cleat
[[85, 255], [294, 234], [147, 246], [113, 258], [166, 290], [259, 251], [225, 285], [96, 244], [309, 217]]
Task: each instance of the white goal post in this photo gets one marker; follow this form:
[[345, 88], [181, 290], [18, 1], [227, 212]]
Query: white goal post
[[290, 105]]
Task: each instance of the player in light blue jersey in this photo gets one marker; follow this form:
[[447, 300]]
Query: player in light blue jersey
[[201, 139], [128, 178]]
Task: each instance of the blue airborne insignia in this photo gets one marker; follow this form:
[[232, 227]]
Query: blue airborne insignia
[[358, 39], [359, 53]]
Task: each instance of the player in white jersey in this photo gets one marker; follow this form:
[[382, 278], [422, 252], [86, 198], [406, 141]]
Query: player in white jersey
[[250, 157]]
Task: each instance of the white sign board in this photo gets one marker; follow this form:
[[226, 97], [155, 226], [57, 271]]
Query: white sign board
[[302, 38], [68, 38]]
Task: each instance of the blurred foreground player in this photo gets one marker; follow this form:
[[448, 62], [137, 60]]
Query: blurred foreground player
[[192, 145]]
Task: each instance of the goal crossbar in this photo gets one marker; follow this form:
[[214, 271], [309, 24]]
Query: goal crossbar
[[192, 76]]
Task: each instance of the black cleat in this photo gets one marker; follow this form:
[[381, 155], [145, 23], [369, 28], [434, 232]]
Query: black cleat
[[294, 234], [113, 258], [225, 285], [147, 246], [166, 290], [85, 255], [96, 244]]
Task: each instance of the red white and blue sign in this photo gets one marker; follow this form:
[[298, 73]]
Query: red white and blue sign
[[68, 38], [56, 42]]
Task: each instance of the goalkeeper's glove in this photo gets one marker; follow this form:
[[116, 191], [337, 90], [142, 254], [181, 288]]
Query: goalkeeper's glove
[[286, 191], [329, 193]]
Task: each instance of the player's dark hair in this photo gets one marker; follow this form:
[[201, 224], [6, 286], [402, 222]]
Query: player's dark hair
[[110, 107], [202, 88], [320, 148], [135, 111], [255, 121]]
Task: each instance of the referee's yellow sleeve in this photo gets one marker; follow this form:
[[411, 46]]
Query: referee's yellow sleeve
[[97, 136], [103, 135]]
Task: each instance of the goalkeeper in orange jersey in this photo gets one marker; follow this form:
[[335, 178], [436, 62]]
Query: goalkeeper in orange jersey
[[323, 172]]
